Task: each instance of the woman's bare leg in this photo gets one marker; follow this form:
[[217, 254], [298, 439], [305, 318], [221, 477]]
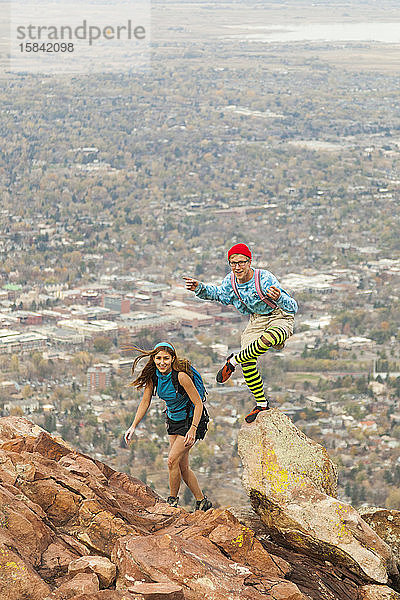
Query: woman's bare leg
[[189, 477], [178, 459], [174, 479]]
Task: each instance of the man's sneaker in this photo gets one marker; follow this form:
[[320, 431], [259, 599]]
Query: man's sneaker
[[278, 346], [253, 414], [226, 371], [203, 504], [173, 500]]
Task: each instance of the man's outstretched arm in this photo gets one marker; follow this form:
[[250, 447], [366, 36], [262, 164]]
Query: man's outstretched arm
[[221, 293]]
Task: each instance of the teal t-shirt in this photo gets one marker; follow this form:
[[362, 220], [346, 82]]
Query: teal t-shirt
[[176, 404]]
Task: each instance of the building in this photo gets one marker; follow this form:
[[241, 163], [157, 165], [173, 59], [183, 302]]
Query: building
[[92, 329], [117, 303], [28, 317], [91, 297], [14, 342], [98, 378]]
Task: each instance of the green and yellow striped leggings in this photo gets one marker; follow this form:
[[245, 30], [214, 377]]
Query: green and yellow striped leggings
[[262, 332]]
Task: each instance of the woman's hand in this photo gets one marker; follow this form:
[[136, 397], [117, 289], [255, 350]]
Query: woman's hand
[[190, 437], [129, 434]]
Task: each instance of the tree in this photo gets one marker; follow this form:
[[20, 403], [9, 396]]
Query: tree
[[102, 344], [26, 391], [50, 422]]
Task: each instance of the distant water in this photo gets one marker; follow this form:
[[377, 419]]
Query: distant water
[[388, 33]]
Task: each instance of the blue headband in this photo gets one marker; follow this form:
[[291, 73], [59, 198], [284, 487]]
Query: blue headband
[[164, 344]]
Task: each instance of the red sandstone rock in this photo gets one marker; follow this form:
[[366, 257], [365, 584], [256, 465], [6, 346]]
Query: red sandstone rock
[[83, 467], [211, 556], [234, 539], [110, 595], [21, 525], [100, 565], [158, 591], [135, 488], [55, 560], [74, 545], [98, 528], [196, 565], [82, 583], [59, 503], [18, 579], [378, 592], [8, 473], [18, 427]]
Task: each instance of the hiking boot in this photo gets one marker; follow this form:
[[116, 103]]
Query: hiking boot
[[203, 504], [173, 500], [253, 414], [226, 371]]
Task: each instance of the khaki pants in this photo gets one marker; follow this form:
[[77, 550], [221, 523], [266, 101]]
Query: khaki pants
[[259, 323]]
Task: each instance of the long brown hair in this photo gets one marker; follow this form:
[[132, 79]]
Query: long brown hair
[[148, 371]]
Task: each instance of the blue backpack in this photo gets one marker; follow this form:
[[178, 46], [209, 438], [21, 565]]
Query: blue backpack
[[195, 377]]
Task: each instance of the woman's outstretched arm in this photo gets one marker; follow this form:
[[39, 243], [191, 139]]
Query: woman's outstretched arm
[[141, 411]]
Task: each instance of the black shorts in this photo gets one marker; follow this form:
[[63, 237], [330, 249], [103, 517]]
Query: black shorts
[[182, 427]]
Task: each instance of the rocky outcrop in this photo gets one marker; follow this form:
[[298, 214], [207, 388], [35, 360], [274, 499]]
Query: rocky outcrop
[[81, 526], [386, 523], [101, 566], [378, 592], [291, 482], [72, 528]]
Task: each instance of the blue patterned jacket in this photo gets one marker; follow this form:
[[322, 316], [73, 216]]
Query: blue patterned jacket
[[253, 305]]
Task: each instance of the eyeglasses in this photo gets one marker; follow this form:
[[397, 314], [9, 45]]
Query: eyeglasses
[[239, 263]]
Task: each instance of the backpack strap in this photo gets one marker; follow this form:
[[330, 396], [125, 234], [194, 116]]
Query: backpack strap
[[257, 280], [268, 301], [235, 289], [181, 390], [175, 382], [155, 382]]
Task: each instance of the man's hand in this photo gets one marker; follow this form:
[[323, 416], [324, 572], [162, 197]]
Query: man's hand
[[190, 284], [273, 292]]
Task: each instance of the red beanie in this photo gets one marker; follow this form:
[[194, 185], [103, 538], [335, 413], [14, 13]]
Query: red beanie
[[239, 249]]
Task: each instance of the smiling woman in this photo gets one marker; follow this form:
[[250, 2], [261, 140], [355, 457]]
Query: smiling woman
[[178, 384]]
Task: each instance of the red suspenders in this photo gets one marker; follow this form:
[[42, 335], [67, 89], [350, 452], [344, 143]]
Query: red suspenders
[[265, 299]]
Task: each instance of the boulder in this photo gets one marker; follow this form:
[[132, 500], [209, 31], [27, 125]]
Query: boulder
[[378, 592], [58, 502], [291, 482], [99, 565], [73, 544], [316, 578], [17, 577], [197, 566], [158, 591], [386, 523], [18, 427], [109, 595], [236, 541], [55, 560], [81, 583], [22, 527], [99, 529]]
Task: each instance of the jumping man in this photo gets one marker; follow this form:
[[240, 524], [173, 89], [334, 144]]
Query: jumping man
[[258, 293]]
